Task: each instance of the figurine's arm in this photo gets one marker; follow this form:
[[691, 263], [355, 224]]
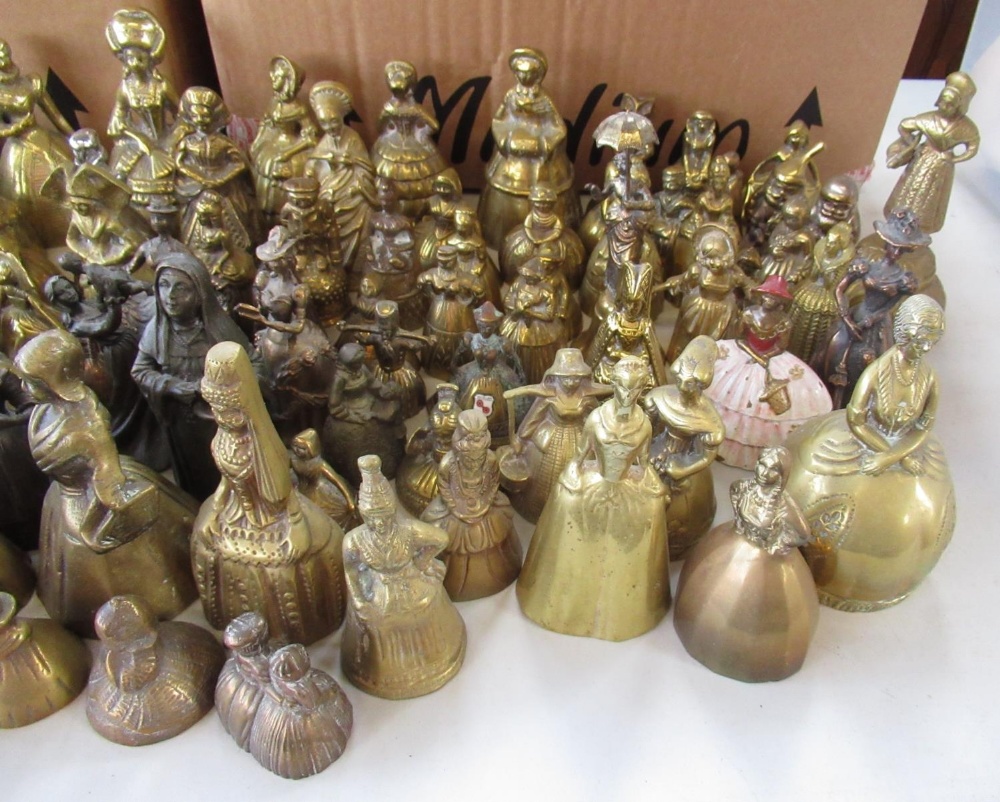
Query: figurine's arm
[[153, 381], [48, 106], [338, 481], [119, 114], [971, 149], [445, 467], [843, 304], [105, 323]]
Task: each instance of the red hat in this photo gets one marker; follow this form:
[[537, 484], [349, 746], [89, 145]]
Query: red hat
[[775, 285]]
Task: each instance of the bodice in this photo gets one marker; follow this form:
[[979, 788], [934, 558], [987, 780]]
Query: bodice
[[897, 405], [617, 442]]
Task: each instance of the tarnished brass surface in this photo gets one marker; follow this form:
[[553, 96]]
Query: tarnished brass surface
[[598, 565], [872, 480], [417, 478], [483, 554], [150, 681], [42, 666], [258, 543], [403, 636], [746, 602]]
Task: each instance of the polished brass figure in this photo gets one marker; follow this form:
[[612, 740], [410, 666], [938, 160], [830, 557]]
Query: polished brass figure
[[597, 565], [483, 554], [320, 483], [216, 237], [110, 525], [417, 478], [42, 667], [150, 681], [872, 480], [689, 433], [258, 543], [245, 677], [530, 137], [746, 603], [403, 637], [543, 228]]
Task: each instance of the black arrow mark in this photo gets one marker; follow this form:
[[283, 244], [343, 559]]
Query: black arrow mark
[[67, 103], [809, 111]]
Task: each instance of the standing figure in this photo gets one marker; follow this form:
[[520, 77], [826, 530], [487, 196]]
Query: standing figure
[[397, 355], [472, 254], [550, 434], [746, 603], [284, 140], [530, 137], [543, 228], [627, 330], [454, 295], [403, 637], [837, 203], [161, 212], [341, 164], [145, 103], [405, 151], [110, 525], [763, 392], [625, 175], [187, 321], [304, 718], [795, 174], [42, 667], [796, 143], [708, 288], [492, 369], [699, 144], [930, 145], [536, 321], [150, 680], [484, 554], [439, 225], [31, 154], [597, 565], [245, 676], [320, 483], [873, 481], [417, 478], [365, 417], [215, 235], [258, 543], [791, 242], [864, 332], [814, 305], [209, 161], [690, 432]]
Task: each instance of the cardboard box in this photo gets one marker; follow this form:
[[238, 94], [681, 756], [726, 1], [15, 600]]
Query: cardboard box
[[755, 66], [68, 38]]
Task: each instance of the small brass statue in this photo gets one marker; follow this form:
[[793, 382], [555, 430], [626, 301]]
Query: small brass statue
[[405, 151], [930, 145], [417, 478], [150, 681], [145, 103], [700, 131], [365, 417], [162, 215], [864, 331], [396, 354], [216, 237], [286, 136], [814, 304], [473, 257], [341, 164], [31, 154], [304, 718], [543, 228], [709, 304], [597, 565], [791, 242], [438, 226], [484, 554], [320, 483], [24, 314], [258, 543], [244, 678], [403, 637], [795, 145], [209, 161], [42, 667], [837, 203], [794, 174], [530, 138], [872, 480], [551, 432], [110, 525], [746, 603], [689, 433], [763, 392]]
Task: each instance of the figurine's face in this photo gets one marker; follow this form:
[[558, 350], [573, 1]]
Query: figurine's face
[[281, 79], [770, 302], [949, 102], [328, 116], [626, 393], [833, 209], [133, 668], [135, 59], [64, 293], [162, 222], [178, 295], [543, 207], [473, 442], [446, 404], [775, 192], [570, 384], [382, 523], [527, 72], [689, 386], [918, 341], [768, 470], [200, 115]]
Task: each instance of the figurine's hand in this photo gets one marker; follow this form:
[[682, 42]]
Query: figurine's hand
[[185, 392], [282, 170], [874, 464], [913, 464]]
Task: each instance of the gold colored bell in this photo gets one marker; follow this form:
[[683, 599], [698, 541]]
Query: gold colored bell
[[244, 678], [150, 681], [417, 478], [746, 603], [403, 637], [42, 667], [872, 480]]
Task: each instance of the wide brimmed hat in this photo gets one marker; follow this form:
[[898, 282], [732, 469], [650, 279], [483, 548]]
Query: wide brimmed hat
[[569, 362], [776, 286], [900, 228], [136, 27], [488, 314], [279, 242]]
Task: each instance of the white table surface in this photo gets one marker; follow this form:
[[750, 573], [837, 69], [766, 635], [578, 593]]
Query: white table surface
[[901, 704]]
